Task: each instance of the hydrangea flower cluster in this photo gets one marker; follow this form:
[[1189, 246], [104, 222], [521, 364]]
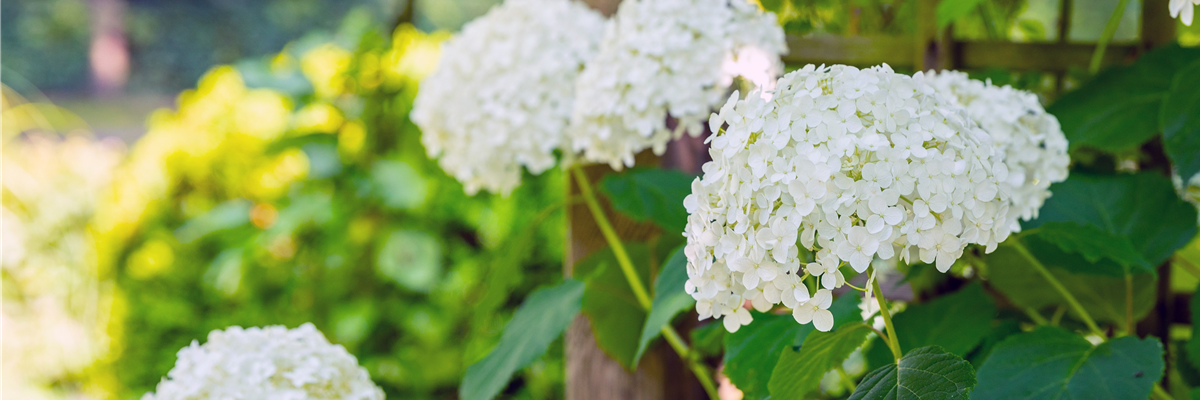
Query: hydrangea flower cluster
[[1033, 143], [502, 95], [266, 363], [1190, 192], [841, 166], [667, 58], [1183, 9]]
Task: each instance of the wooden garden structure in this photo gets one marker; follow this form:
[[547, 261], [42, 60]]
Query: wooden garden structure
[[591, 375]]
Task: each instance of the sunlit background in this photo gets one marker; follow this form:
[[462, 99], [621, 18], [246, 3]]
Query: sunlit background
[[174, 167]]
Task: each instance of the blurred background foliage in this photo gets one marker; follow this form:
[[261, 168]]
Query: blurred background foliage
[[289, 186]]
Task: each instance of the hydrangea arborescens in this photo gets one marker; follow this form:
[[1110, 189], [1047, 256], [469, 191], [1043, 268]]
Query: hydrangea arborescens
[[266, 363], [841, 165], [1034, 147], [663, 58], [502, 95]]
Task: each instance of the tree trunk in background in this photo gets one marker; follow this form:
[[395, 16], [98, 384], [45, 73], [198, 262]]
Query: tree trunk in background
[[108, 54], [591, 374]]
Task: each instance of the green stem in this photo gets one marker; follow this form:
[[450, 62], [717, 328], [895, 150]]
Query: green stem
[[850, 387], [1160, 393], [1083, 314], [702, 373], [892, 341], [614, 241], [635, 283], [1110, 29]]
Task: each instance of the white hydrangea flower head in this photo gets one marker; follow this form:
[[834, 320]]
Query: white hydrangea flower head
[[266, 363], [668, 58], [501, 97], [841, 165], [1032, 141], [1183, 9], [1191, 192]]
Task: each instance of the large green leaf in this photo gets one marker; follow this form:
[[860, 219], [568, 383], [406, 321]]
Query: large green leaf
[[1140, 208], [669, 300], [1052, 363], [956, 323], [655, 194], [1102, 296], [799, 372], [950, 10], [1112, 112], [542, 318], [609, 303], [924, 373], [1104, 253], [1180, 121], [752, 352], [413, 259]]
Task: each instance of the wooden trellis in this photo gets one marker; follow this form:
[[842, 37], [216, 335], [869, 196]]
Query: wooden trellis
[[592, 375]]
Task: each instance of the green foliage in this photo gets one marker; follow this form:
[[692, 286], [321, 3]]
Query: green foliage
[[276, 202], [950, 10], [609, 303], [542, 318], [1101, 249], [1101, 296], [1193, 345], [799, 371], [1139, 211], [924, 373], [956, 323], [752, 353], [1180, 121], [1110, 112], [670, 299], [1053, 363], [655, 194]]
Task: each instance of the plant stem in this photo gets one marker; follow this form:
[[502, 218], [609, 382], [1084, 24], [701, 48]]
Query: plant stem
[[635, 283], [610, 235], [1083, 314], [850, 387], [702, 373], [1161, 394], [1036, 317], [1187, 266], [892, 341], [1110, 29]]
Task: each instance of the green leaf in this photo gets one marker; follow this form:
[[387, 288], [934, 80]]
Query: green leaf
[[542, 318], [670, 299], [1001, 329], [1109, 112], [1180, 121], [1101, 296], [799, 372], [956, 323], [1096, 246], [398, 184], [609, 303], [227, 215], [950, 10], [1053, 363], [1140, 208], [412, 259], [752, 352], [655, 194], [924, 373]]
